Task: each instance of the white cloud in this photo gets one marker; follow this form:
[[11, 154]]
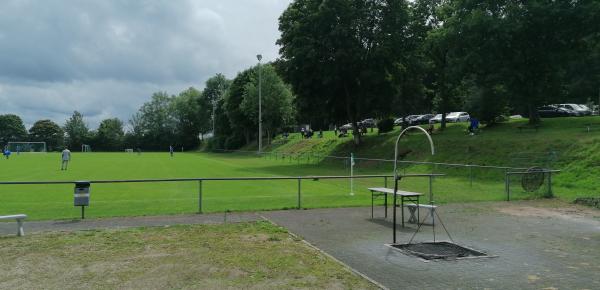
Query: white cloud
[[105, 58]]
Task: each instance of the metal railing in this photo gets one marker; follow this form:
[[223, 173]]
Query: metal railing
[[316, 159], [202, 180], [545, 172]]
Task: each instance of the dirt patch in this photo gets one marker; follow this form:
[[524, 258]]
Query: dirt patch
[[549, 210]]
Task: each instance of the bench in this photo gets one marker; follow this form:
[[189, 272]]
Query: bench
[[528, 127], [414, 209], [590, 125], [19, 218], [404, 196]]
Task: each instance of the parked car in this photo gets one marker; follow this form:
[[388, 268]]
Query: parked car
[[576, 109], [436, 119], [585, 109], [456, 117], [421, 119], [368, 123], [552, 111], [407, 118], [346, 127]]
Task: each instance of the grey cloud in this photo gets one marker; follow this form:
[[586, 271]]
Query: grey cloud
[[105, 58]]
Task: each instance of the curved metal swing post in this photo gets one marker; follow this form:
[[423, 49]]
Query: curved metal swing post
[[396, 178]]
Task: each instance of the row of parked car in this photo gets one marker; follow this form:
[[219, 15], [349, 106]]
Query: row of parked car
[[549, 111], [564, 110], [453, 117]]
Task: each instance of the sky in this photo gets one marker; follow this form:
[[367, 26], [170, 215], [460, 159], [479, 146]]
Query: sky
[[105, 58]]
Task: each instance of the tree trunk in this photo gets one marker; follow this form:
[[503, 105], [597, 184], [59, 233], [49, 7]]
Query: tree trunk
[[443, 122], [355, 133], [534, 117]]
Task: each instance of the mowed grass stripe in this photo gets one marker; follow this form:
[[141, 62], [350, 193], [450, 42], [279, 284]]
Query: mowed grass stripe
[[159, 198]]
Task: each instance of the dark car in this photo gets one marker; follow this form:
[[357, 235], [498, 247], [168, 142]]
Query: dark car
[[421, 119], [553, 111], [368, 123]]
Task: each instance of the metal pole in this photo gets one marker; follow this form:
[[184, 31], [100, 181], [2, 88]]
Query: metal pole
[[507, 187], [299, 193], [83, 212], [199, 196], [259, 105], [385, 181], [471, 174], [550, 184]]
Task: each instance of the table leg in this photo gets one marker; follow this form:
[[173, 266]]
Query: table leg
[[385, 203], [372, 205], [418, 210], [402, 204]]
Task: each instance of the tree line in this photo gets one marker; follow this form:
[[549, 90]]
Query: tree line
[[345, 60], [352, 59], [182, 120]]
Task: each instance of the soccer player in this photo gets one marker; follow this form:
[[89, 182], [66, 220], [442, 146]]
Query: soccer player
[[66, 157], [6, 153], [171, 150]]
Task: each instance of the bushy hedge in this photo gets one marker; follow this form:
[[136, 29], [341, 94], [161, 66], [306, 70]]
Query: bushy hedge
[[385, 125]]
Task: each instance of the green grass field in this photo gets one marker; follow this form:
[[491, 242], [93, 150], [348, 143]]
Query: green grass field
[[127, 199]]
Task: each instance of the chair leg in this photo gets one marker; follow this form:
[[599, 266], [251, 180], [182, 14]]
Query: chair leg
[[20, 231]]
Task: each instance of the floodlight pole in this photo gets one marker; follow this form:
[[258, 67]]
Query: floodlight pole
[[259, 57]]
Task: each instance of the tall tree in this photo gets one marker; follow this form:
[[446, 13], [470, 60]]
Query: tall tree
[[49, 132], [345, 57], [243, 129], [214, 92], [276, 101], [76, 130], [110, 135], [524, 46], [155, 122], [189, 117], [11, 129]]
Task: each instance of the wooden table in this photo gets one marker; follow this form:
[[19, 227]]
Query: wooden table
[[404, 196]]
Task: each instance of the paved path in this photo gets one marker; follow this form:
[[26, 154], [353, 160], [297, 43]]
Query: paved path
[[10, 228], [537, 247]]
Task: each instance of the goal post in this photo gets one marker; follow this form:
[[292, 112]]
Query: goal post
[[27, 146], [86, 148]]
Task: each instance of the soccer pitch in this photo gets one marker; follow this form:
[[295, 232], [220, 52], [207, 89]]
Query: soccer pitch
[[124, 199]]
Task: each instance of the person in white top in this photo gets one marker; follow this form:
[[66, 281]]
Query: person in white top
[[66, 157]]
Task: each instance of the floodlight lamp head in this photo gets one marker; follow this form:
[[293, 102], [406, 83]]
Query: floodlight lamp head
[[259, 57]]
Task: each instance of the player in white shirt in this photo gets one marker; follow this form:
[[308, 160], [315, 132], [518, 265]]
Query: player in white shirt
[[66, 157]]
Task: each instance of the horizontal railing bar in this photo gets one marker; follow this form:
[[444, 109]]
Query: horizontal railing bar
[[314, 177], [384, 160], [529, 172]]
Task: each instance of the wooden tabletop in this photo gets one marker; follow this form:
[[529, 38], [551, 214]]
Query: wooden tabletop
[[391, 191]]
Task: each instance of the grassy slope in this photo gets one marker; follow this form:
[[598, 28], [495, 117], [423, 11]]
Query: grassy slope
[[247, 256], [578, 151]]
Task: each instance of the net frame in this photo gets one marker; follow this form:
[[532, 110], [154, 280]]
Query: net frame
[[86, 148]]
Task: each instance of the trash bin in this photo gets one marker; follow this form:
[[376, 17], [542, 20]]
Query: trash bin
[[82, 193]]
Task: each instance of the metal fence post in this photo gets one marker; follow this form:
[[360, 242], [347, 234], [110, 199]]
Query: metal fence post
[[385, 181], [471, 174], [200, 196], [550, 194], [507, 184], [299, 193]]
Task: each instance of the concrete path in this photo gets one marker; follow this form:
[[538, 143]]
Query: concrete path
[[538, 245]]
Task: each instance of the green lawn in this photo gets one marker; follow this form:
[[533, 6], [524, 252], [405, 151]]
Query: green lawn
[[126, 199], [232, 256]]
